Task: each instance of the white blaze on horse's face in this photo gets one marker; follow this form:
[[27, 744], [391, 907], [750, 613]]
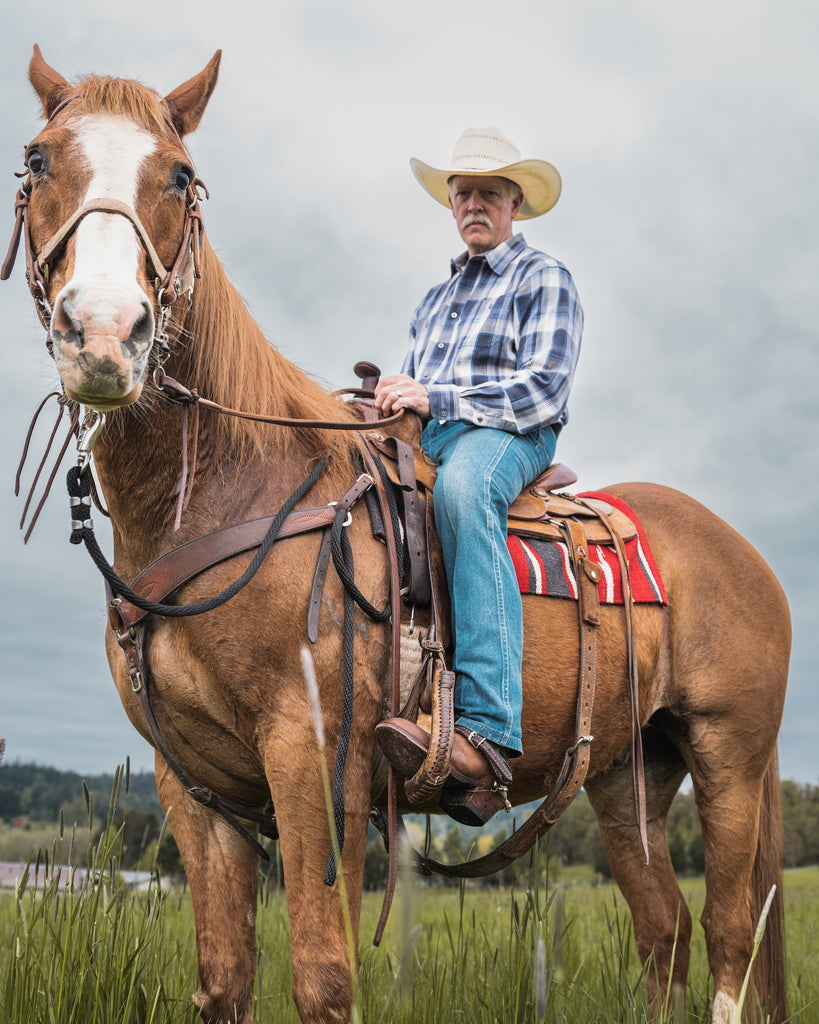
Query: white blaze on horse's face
[[102, 325]]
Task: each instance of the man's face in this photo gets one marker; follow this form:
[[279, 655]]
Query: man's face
[[483, 208]]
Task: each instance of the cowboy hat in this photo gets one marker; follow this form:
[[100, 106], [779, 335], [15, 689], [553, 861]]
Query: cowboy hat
[[488, 151]]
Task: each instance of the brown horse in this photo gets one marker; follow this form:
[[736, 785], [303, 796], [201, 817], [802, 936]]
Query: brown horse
[[228, 686]]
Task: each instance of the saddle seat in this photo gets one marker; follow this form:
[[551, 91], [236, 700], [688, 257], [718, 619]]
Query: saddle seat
[[537, 510]]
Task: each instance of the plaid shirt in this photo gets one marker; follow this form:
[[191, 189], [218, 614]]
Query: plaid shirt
[[497, 344]]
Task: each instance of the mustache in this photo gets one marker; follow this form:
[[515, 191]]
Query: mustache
[[476, 218]]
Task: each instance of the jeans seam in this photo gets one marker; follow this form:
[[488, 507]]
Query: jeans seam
[[500, 608]]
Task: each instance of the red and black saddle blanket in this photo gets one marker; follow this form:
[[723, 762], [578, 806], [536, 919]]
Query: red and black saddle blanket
[[544, 567]]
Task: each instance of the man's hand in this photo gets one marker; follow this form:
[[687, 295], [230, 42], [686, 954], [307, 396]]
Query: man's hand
[[401, 392]]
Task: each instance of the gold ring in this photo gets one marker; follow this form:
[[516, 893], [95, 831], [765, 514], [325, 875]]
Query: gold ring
[[400, 394]]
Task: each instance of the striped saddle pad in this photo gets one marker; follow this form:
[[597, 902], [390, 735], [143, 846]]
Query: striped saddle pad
[[544, 567]]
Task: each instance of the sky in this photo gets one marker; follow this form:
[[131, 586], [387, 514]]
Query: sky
[[686, 137]]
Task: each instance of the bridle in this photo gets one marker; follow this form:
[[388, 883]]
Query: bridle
[[169, 283]]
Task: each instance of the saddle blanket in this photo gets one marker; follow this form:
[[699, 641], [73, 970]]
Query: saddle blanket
[[544, 567]]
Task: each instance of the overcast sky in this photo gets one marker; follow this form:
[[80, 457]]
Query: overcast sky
[[686, 136]]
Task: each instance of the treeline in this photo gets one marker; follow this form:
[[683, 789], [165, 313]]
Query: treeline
[[31, 793], [38, 793]]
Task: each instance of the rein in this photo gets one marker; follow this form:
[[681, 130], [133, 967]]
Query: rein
[[125, 602], [180, 393]]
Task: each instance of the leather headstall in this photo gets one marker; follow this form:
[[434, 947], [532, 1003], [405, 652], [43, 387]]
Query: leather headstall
[[169, 283]]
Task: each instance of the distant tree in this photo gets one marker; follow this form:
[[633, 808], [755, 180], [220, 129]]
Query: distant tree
[[575, 839], [800, 815], [9, 802], [684, 836], [376, 864]]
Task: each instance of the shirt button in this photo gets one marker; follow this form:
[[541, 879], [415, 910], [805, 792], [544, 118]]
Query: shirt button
[[440, 344], [454, 316], [426, 373]]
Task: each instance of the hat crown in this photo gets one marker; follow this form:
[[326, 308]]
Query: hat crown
[[483, 149]]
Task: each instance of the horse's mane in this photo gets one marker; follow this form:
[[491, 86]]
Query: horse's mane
[[229, 360]]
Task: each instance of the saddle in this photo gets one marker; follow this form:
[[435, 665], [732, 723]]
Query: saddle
[[537, 512]]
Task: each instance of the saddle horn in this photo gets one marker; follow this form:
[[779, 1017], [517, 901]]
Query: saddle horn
[[369, 374]]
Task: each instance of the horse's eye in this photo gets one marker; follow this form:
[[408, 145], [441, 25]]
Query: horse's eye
[[182, 179], [35, 161]]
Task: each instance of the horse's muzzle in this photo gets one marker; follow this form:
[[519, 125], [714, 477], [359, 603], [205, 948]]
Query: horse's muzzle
[[101, 339]]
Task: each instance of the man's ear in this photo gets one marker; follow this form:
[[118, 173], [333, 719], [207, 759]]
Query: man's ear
[[516, 204]]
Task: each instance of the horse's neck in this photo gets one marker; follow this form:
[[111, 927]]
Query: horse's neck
[[219, 351]]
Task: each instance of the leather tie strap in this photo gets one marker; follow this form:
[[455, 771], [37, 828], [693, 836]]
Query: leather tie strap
[[395, 682]]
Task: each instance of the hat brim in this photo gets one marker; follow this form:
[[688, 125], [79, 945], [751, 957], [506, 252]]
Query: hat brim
[[539, 180]]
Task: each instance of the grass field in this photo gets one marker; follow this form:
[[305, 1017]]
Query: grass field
[[562, 954]]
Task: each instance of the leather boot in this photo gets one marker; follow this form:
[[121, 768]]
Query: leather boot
[[478, 777]]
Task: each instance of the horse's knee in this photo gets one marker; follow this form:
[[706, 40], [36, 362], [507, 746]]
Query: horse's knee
[[323, 992]]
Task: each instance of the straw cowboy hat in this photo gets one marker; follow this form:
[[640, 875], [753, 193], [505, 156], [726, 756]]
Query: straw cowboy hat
[[488, 151]]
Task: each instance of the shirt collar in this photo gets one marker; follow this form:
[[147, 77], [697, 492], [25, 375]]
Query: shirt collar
[[498, 258]]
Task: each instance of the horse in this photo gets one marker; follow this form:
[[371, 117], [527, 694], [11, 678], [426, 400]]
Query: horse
[[111, 169]]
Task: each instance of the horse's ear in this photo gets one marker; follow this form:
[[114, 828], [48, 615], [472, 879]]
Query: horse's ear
[[49, 84], [187, 103]]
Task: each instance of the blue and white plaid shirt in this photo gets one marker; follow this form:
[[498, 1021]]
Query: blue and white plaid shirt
[[497, 344]]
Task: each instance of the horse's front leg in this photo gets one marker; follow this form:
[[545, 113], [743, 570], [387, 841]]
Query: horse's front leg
[[323, 919], [223, 874]]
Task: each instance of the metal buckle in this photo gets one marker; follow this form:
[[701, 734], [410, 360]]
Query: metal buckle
[[92, 424], [349, 519], [580, 743]]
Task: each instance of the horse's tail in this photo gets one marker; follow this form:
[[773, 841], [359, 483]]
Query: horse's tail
[[769, 969]]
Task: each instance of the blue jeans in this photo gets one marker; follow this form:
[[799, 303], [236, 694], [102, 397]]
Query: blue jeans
[[480, 471]]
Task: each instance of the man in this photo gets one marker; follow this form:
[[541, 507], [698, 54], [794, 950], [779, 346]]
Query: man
[[492, 355]]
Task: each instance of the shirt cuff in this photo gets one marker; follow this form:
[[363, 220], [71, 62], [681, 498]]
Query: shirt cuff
[[444, 401]]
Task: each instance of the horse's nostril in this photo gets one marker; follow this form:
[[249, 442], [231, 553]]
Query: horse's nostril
[[141, 332], [63, 324]]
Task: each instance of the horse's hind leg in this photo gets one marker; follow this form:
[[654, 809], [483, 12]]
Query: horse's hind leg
[[662, 921], [729, 799], [222, 871]]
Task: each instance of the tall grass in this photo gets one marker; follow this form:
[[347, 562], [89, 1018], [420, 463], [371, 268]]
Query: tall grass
[[82, 949], [95, 953]]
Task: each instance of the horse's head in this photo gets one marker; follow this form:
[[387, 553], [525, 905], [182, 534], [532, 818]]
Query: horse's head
[[111, 222]]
